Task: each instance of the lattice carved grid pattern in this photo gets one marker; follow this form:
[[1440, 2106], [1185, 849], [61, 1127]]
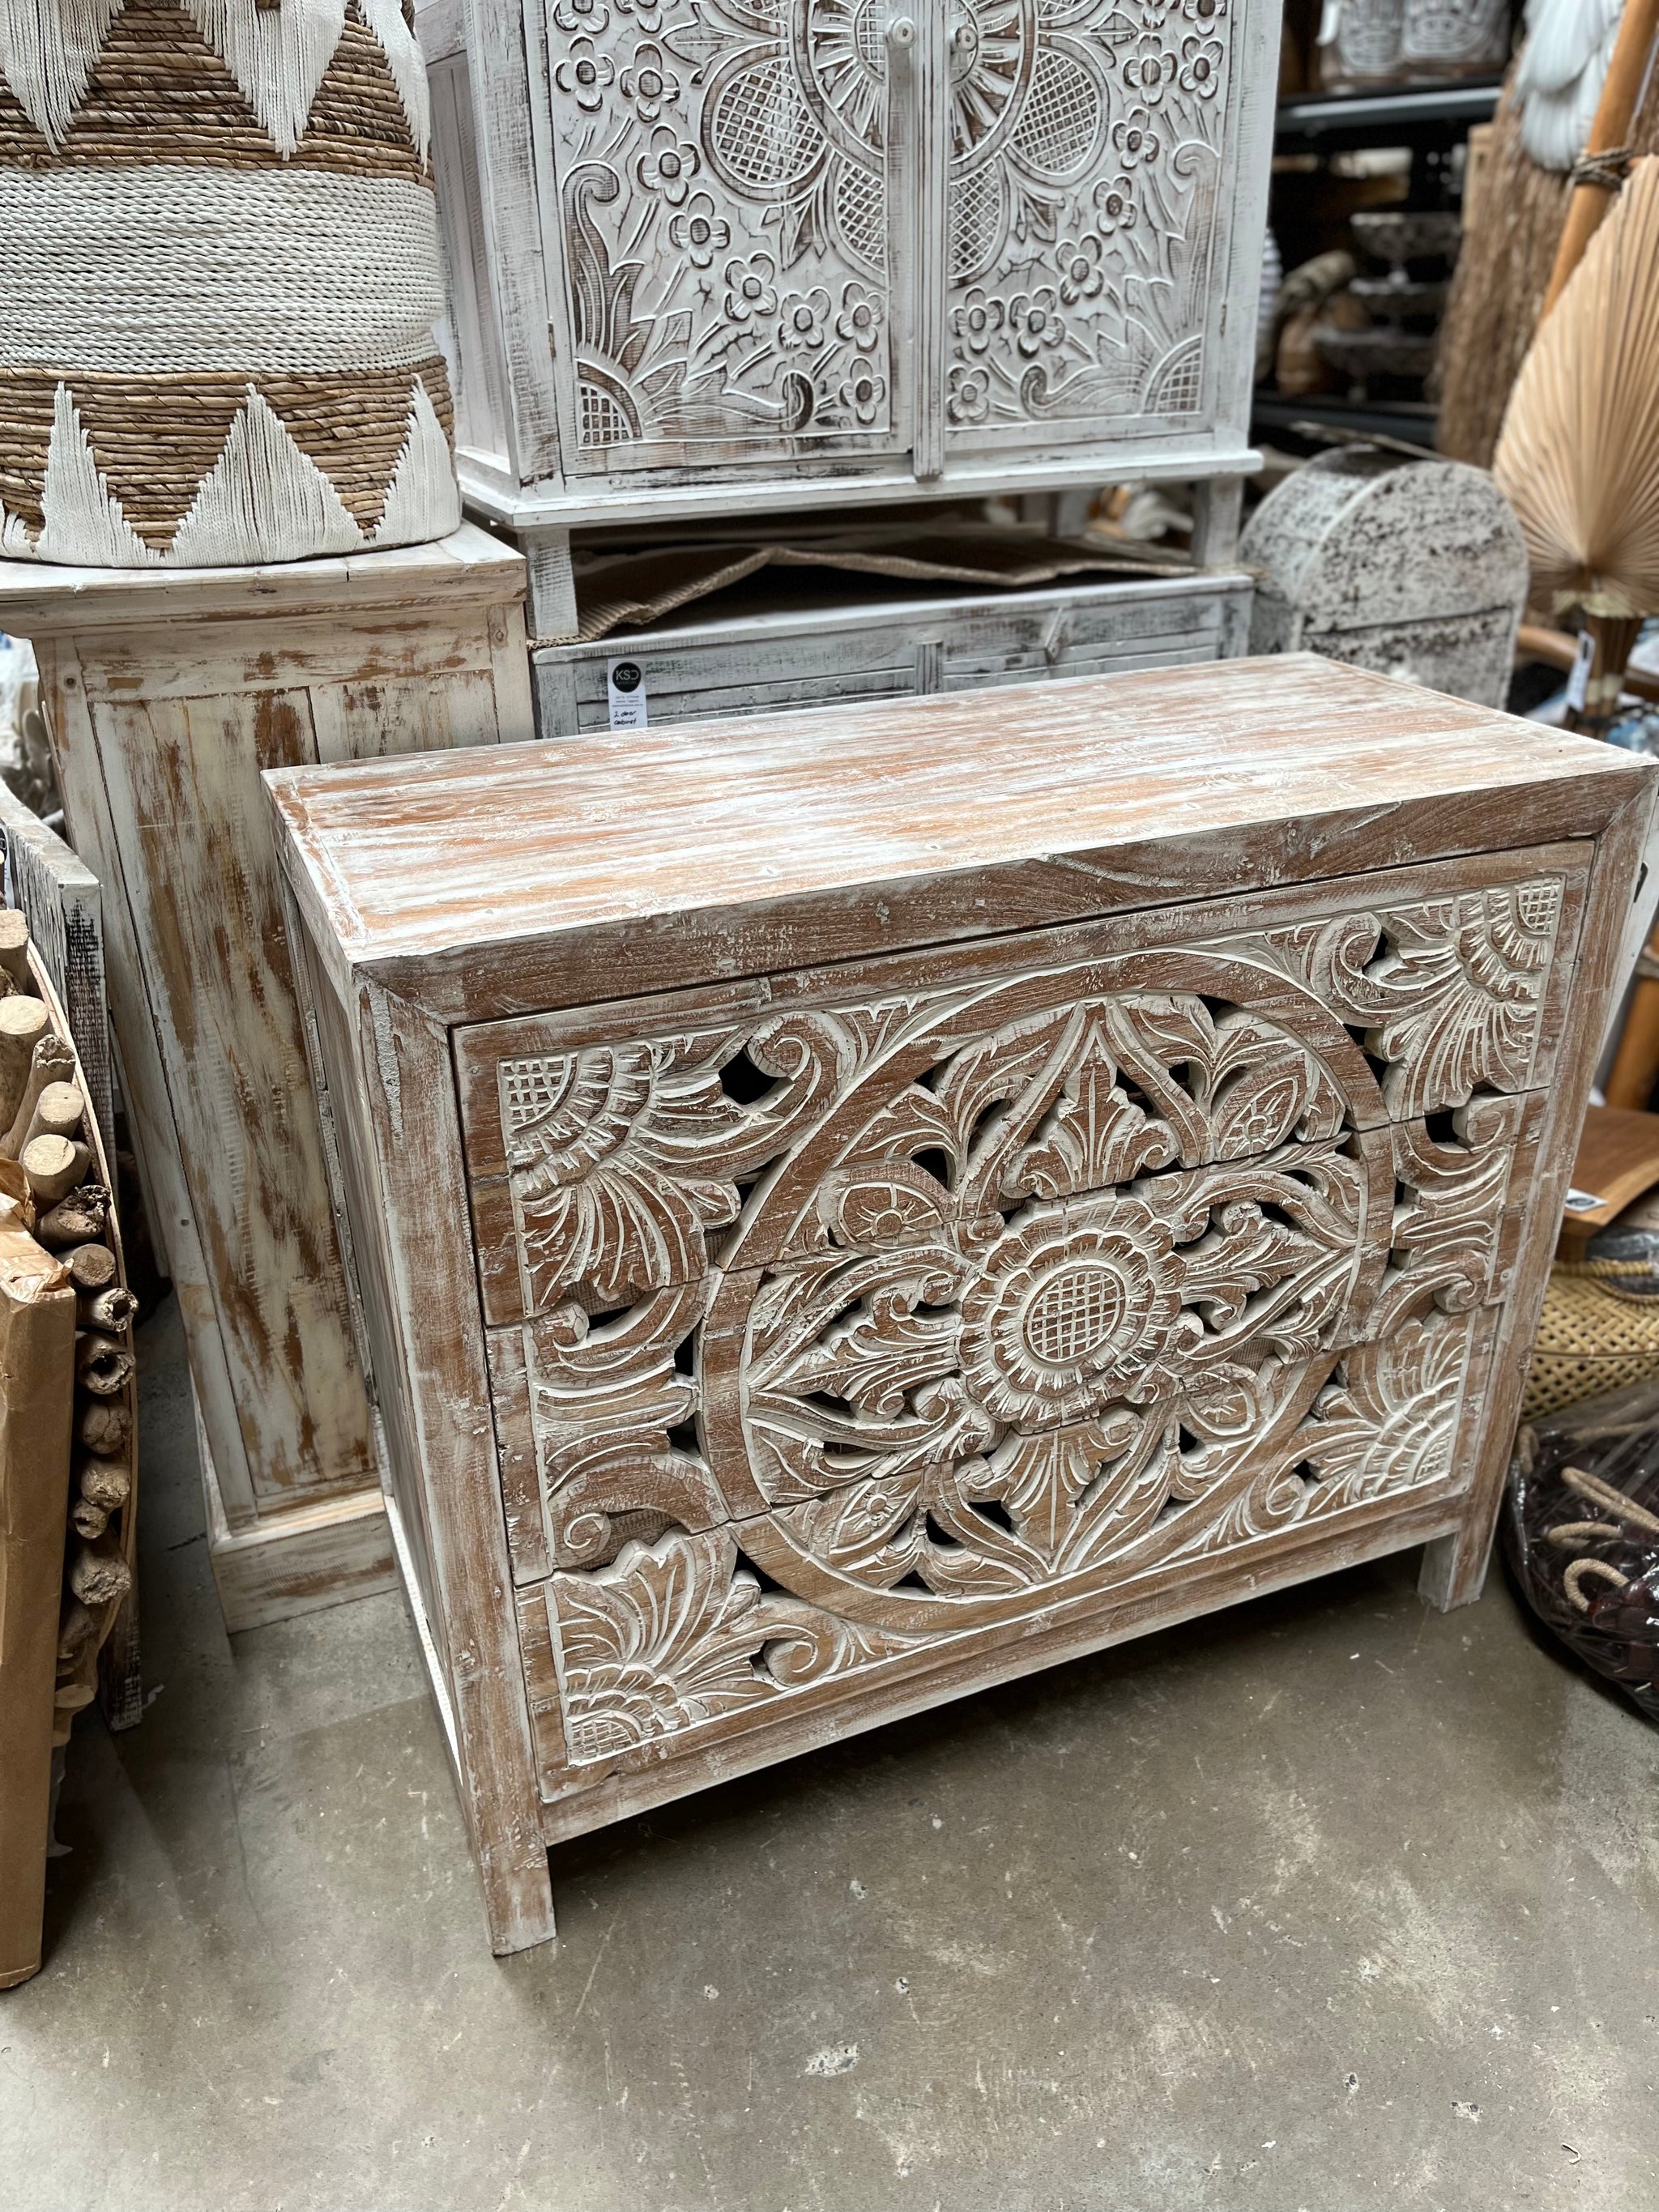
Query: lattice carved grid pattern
[[858, 1325]]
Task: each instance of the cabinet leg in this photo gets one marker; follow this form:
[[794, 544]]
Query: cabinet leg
[[1454, 1570], [1218, 510], [552, 592], [518, 1901]]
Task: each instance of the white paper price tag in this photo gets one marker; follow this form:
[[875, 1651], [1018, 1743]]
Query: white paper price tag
[[624, 683], [1579, 674]]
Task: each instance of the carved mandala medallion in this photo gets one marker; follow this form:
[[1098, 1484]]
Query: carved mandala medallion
[[860, 1323]]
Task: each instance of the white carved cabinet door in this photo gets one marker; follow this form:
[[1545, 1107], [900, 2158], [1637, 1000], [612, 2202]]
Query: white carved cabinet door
[[1092, 165], [722, 176]]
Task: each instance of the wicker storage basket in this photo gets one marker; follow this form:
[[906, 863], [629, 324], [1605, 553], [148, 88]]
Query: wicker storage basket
[[1598, 1333], [219, 285]]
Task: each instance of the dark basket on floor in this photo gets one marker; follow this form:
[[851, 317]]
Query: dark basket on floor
[[1581, 1530]]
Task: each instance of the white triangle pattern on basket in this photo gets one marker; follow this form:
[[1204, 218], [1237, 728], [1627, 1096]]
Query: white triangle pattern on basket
[[262, 500], [278, 58], [15, 544], [81, 523], [423, 502], [385, 18], [47, 49]]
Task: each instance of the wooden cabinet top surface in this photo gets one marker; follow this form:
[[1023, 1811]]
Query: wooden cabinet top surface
[[38, 599], [654, 857]]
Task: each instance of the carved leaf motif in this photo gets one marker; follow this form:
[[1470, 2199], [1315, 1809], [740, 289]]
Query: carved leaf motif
[[1093, 1135], [1445, 1236], [1449, 993], [623, 1157], [677, 1632], [1084, 209], [1390, 1422]]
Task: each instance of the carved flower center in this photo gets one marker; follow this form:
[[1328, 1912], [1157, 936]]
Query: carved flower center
[[1074, 1311]]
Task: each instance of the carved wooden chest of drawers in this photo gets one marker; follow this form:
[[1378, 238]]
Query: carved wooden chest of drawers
[[845, 1216], [705, 256]]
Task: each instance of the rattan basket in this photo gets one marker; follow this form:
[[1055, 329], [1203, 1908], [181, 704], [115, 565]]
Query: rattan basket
[[1596, 1334], [219, 283]]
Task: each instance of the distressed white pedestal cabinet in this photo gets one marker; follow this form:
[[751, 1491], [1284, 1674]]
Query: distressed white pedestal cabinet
[[706, 257], [839, 1223]]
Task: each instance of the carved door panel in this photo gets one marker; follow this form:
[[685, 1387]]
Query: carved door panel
[[722, 178], [844, 1317], [1091, 168]]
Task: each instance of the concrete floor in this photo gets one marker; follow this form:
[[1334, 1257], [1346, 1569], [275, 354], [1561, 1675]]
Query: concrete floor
[[1327, 1903]]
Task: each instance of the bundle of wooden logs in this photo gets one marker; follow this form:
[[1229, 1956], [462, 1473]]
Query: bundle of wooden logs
[[66, 1423]]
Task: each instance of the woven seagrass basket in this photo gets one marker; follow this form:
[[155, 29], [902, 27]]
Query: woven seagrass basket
[[218, 283], [1596, 1334]]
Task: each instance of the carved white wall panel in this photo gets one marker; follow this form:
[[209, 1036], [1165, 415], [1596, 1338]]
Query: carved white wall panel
[[723, 197]]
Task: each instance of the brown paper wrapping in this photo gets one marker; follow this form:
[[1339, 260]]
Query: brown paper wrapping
[[37, 1400]]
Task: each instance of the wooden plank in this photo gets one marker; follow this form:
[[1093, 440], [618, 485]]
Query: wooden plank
[[370, 717], [818, 485], [183, 781], [655, 857], [215, 657], [468, 568], [144, 1082], [301, 1561], [402, 1063], [1454, 1569], [61, 900], [722, 667], [499, 47], [356, 1192], [1240, 922], [1067, 1633], [1618, 1159]]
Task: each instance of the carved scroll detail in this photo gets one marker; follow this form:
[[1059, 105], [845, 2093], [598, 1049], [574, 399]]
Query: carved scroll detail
[[1448, 993]]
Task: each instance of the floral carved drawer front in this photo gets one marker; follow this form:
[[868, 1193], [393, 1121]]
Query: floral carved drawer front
[[863, 1326]]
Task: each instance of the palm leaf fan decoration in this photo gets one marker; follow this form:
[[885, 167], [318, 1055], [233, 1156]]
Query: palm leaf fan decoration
[[1579, 455]]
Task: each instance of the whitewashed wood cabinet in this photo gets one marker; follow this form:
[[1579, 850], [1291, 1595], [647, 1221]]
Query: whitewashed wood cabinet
[[889, 649], [167, 694], [924, 1191], [708, 256]]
